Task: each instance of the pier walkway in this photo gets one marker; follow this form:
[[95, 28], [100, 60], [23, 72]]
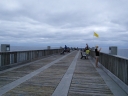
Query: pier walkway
[[58, 75]]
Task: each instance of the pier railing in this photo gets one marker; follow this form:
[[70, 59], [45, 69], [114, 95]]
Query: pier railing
[[116, 65], [8, 59]]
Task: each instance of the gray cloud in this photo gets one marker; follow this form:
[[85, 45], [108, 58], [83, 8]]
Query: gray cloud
[[61, 22]]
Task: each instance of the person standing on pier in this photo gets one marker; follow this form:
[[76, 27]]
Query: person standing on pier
[[87, 51], [86, 48], [97, 55]]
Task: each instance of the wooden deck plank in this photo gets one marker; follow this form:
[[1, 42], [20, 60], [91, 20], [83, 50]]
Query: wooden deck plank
[[87, 81]]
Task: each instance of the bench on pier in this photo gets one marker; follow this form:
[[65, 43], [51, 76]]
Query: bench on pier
[[82, 55]]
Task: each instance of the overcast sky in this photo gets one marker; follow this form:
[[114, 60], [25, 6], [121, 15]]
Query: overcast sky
[[64, 22]]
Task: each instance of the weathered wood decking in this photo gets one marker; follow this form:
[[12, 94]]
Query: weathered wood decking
[[58, 75]]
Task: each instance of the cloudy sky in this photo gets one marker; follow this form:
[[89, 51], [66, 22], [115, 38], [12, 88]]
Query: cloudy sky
[[60, 22]]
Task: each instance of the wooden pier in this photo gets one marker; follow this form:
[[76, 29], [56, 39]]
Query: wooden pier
[[57, 75]]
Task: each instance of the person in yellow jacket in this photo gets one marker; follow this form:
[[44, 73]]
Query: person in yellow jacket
[[87, 53]]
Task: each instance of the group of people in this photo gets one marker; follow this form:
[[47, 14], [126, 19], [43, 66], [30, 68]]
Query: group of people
[[97, 51], [87, 51]]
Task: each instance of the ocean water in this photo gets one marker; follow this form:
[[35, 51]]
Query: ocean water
[[27, 48], [24, 48], [123, 52], [120, 52]]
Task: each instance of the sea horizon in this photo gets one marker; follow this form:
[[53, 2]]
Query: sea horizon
[[122, 52]]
